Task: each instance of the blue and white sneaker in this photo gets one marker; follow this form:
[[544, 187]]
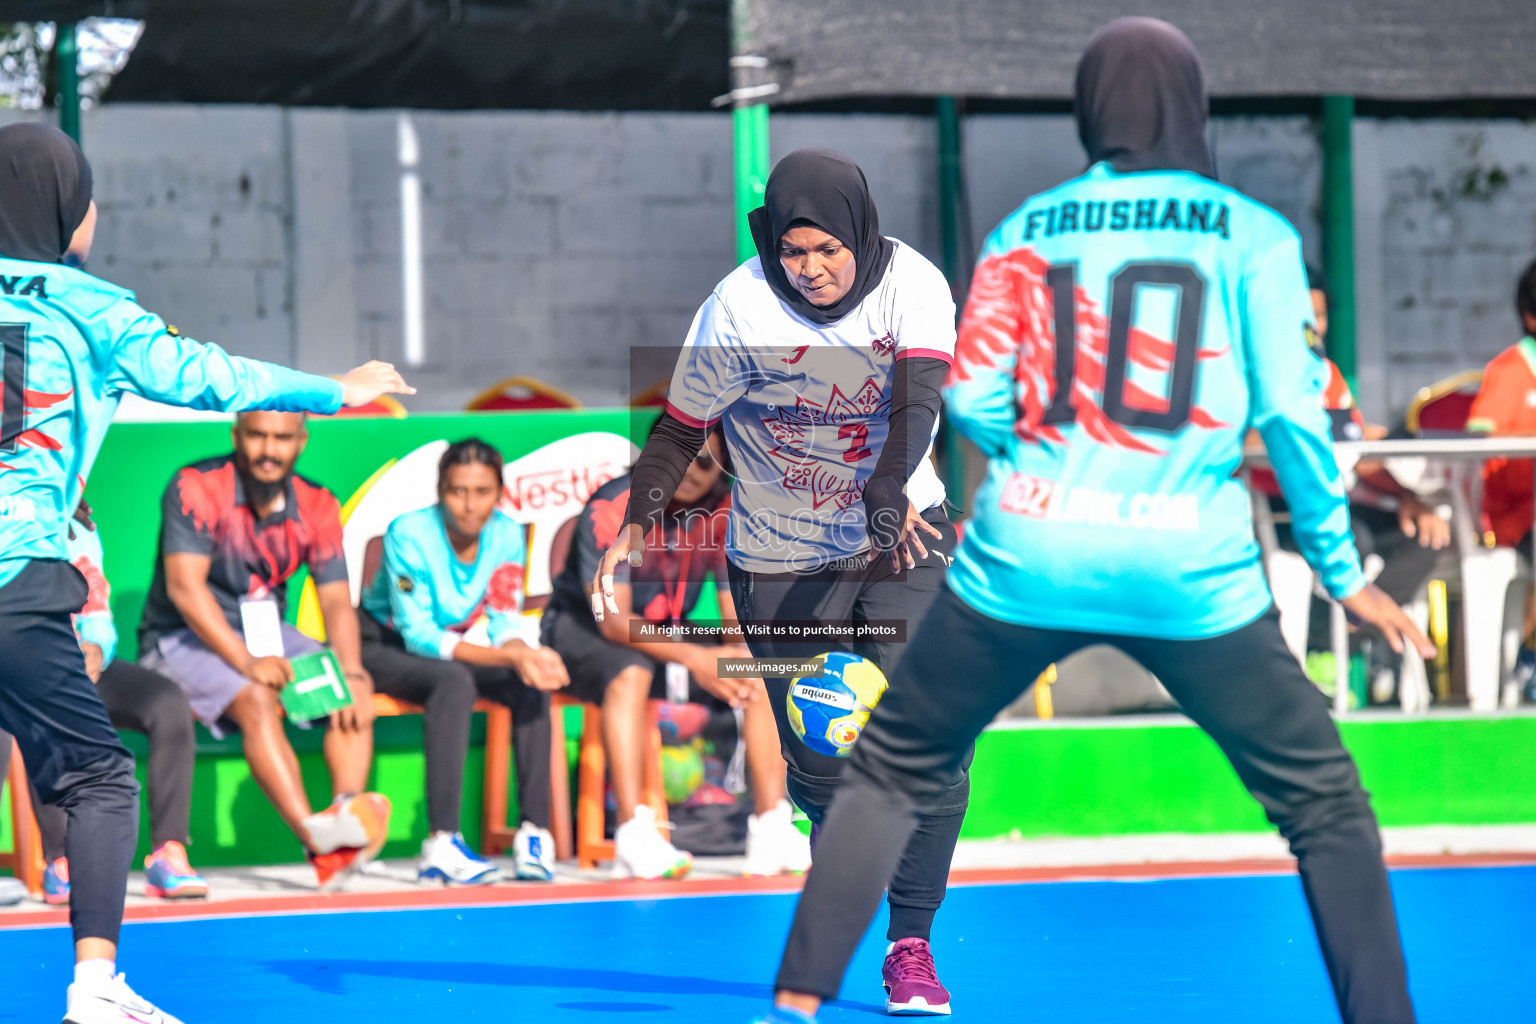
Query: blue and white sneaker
[[533, 852], [1525, 673], [446, 858], [56, 883]]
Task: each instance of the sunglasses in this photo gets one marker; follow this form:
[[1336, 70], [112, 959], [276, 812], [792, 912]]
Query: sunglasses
[[704, 459]]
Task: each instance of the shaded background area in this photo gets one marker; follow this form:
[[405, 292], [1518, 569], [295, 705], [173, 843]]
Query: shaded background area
[[446, 54], [1385, 49]]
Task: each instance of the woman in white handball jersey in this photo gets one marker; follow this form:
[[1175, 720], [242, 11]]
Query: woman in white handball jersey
[[823, 356]]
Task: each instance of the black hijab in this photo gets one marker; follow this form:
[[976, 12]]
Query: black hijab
[[1140, 99], [824, 189], [45, 191]]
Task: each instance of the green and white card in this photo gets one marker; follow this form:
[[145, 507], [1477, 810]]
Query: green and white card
[[318, 687]]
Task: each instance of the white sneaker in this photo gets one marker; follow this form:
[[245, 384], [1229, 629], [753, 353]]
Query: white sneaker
[[12, 892], [641, 851], [774, 845], [533, 853], [111, 1003], [348, 824], [446, 858]]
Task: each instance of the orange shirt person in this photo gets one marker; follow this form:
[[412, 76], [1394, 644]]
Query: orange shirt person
[[1507, 405]]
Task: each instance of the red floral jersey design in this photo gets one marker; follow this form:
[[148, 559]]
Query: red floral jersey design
[[204, 512], [100, 596], [39, 400], [608, 517], [505, 591], [1009, 313], [844, 417], [689, 548]]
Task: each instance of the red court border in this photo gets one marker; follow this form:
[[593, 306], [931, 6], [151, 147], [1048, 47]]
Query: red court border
[[515, 894]]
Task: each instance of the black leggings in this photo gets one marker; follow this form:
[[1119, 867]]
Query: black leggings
[[145, 702], [72, 752], [1244, 688], [446, 690], [864, 592]]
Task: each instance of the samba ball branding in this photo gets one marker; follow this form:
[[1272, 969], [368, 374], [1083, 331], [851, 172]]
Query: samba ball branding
[[828, 713]]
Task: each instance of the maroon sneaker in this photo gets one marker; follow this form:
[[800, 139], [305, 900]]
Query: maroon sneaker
[[912, 986]]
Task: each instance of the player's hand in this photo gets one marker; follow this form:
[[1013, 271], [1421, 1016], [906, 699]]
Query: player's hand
[[703, 663], [911, 540], [369, 381], [1419, 520], [540, 667], [271, 672], [630, 545], [83, 514], [359, 714], [1373, 607], [93, 659]]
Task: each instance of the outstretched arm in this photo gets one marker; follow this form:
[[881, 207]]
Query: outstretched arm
[[158, 363], [1285, 380]]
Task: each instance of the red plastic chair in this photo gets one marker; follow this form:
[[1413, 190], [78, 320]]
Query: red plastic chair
[[521, 394], [385, 406], [1444, 405], [653, 397], [26, 856]]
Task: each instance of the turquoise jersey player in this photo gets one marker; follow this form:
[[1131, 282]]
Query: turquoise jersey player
[[71, 346], [1123, 333], [424, 592]]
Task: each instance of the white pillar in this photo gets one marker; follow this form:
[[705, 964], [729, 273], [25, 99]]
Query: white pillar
[[410, 244]]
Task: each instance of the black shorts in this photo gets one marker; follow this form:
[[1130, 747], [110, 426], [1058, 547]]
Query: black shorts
[[593, 661]]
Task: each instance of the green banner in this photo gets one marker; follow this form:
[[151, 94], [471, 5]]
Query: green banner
[[138, 459]]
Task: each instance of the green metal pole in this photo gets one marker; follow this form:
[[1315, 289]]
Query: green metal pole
[[749, 127], [749, 131], [1339, 230], [949, 187], [69, 80], [950, 211]]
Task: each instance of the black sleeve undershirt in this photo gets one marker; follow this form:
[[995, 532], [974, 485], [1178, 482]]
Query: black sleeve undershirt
[[660, 468], [915, 401]]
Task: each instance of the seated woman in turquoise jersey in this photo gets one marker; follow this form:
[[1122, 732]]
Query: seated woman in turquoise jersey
[[444, 567]]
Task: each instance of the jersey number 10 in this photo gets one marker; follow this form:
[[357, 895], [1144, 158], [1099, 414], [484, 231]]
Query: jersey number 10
[[1062, 280]]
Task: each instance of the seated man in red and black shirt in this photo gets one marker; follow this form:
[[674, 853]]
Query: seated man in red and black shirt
[[233, 530], [611, 665]]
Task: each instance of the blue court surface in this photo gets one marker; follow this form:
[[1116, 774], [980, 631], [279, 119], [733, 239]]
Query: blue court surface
[[1153, 951]]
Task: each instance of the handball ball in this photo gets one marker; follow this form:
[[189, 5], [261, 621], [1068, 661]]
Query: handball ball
[[682, 772], [829, 713]]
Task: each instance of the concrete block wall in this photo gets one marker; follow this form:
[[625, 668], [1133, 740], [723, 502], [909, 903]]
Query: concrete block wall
[[553, 242], [1452, 205]]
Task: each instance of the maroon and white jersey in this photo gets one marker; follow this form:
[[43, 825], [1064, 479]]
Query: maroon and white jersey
[[806, 406]]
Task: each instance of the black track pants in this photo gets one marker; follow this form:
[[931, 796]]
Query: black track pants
[[861, 593], [72, 752], [144, 702], [1244, 688], [446, 691]]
